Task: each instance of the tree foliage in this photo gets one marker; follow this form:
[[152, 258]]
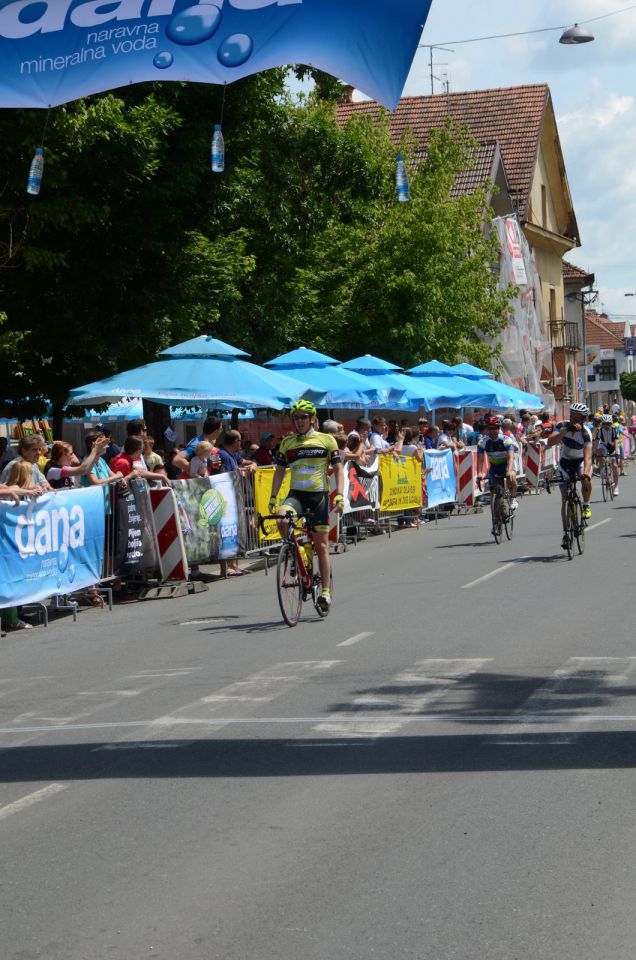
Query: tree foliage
[[628, 386], [133, 244]]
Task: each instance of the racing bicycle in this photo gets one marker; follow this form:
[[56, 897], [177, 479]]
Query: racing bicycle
[[575, 523], [502, 514], [297, 576], [607, 477]]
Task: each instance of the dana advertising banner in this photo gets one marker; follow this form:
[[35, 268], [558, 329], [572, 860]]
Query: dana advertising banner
[[400, 484], [53, 51], [441, 483], [51, 546], [212, 514]]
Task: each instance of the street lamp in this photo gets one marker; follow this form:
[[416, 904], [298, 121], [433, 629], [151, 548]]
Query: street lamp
[[575, 35]]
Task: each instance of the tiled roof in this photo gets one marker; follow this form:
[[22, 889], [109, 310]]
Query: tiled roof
[[512, 116], [574, 273], [485, 157], [599, 332]]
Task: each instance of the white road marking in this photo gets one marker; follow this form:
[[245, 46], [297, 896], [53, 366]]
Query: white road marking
[[422, 718], [569, 691], [30, 799], [600, 523], [352, 640], [423, 683], [493, 573], [260, 688], [166, 745]]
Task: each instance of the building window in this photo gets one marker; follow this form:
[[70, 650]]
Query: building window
[[544, 206], [606, 370]]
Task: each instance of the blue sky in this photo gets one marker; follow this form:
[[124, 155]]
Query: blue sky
[[593, 88]]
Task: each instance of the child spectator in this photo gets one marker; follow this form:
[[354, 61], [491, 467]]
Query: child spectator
[[199, 465]]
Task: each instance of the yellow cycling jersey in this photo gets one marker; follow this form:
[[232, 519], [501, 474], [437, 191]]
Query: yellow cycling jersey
[[309, 457]]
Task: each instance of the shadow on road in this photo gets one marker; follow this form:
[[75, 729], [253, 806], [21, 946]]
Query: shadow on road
[[311, 757]]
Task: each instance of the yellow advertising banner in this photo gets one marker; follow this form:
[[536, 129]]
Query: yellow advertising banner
[[400, 484], [263, 478]]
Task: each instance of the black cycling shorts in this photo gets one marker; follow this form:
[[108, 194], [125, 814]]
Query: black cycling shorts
[[313, 506]]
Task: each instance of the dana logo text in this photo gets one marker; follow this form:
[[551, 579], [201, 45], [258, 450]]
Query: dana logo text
[[49, 531]]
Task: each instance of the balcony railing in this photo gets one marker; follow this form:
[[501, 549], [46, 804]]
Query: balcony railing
[[565, 336]]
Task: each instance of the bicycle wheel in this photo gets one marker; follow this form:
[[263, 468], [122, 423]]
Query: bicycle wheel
[[611, 485], [289, 585], [495, 512], [568, 533], [604, 483], [578, 525], [508, 515]]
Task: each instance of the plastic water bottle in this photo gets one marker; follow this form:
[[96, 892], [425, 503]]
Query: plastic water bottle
[[401, 180], [218, 150], [35, 172]]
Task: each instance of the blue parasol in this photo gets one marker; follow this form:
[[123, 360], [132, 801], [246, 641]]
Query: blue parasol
[[204, 372], [341, 387]]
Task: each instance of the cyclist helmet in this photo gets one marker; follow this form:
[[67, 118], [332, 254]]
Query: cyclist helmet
[[581, 408], [607, 418], [493, 421], [303, 406]]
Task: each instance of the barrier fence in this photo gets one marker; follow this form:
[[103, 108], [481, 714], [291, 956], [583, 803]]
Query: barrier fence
[[80, 538]]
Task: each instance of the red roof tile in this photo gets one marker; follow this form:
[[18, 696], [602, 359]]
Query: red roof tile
[[599, 332], [573, 273], [513, 116]]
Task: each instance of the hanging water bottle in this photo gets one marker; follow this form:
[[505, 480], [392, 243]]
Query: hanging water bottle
[[401, 180], [35, 172], [218, 150]]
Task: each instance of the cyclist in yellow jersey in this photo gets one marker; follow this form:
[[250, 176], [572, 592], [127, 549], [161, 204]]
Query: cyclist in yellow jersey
[[308, 454]]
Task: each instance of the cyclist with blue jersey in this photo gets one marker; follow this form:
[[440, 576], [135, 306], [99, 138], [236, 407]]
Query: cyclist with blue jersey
[[309, 454], [500, 450]]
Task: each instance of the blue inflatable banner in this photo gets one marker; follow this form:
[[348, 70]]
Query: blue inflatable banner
[[441, 484], [52, 545], [53, 51]]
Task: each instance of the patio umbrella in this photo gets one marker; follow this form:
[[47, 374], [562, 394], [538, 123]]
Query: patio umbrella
[[471, 393], [516, 398], [202, 371], [102, 46], [341, 388], [418, 392]]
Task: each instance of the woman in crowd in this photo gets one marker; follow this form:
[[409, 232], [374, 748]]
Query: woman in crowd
[[20, 485], [63, 466]]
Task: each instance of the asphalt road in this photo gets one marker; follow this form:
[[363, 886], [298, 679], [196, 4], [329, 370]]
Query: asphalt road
[[442, 769]]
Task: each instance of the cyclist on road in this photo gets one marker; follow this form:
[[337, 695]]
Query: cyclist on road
[[605, 443], [308, 454], [501, 451], [575, 439]]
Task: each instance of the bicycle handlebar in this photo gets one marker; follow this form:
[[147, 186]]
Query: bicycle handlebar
[[289, 517]]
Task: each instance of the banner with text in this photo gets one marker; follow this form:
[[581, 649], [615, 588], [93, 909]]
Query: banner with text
[[54, 51], [441, 482], [212, 514], [400, 484], [50, 546], [136, 550], [263, 478]]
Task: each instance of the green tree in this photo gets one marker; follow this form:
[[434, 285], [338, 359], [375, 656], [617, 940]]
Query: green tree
[[628, 386], [409, 281]]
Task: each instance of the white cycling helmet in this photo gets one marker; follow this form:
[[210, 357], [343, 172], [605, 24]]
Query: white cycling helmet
[[580, 408], [606, 418]]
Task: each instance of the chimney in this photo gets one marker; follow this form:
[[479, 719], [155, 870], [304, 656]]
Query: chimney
[[348, 93]]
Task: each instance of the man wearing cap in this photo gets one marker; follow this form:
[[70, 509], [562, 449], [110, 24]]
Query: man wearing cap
[[264, 456]]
